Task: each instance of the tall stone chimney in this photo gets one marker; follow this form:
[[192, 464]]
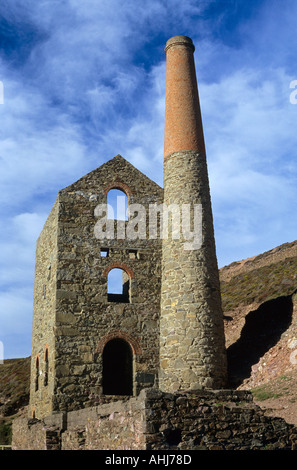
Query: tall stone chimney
[[192, 341]]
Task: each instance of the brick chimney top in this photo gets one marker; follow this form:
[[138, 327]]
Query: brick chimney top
[[179, 40], [183, 123]]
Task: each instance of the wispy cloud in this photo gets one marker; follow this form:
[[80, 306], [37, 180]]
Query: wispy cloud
[[249, 126]]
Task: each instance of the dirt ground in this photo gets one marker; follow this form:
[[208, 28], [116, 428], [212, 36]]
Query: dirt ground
[[279, 397]]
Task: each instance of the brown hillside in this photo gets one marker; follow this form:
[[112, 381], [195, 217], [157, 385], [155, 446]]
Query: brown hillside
[[260, 310], [14, 393]]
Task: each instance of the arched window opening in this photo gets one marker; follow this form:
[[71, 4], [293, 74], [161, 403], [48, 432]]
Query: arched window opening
[[37, 374], [117, 368], [46, 367], [117, 202], [118, 286]]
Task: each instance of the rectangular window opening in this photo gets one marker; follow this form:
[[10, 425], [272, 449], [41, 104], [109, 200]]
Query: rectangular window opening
[[133, 254], [104, 252]]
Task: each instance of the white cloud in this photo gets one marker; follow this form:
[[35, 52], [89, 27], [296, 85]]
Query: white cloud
[[17, 244], [16, 322], [27, 227], [249, 126], [14, 304]]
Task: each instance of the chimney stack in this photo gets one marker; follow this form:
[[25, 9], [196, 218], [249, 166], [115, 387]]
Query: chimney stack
[[192, 341], [183, 123]]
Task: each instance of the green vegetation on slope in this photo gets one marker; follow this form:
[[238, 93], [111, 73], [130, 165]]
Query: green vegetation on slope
[[283, 386], [261, 284]]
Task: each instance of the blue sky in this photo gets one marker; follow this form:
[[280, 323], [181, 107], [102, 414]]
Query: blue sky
[[85, 81]]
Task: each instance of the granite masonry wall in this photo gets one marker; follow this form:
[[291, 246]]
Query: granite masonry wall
[[74, 318], [202, 420], [192, 341], [43, 338]]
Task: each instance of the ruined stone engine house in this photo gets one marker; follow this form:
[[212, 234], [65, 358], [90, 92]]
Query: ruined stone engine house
[[141, 367], [164, 326], [86, 340]]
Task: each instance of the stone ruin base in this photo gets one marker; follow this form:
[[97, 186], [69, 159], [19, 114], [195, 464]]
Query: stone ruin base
[[200, 420]]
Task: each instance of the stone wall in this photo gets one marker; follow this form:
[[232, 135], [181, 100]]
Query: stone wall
[[82, 319], [204, 420], [33, 434], [119, 425], [192, 342], [44, 317], [213, 420]]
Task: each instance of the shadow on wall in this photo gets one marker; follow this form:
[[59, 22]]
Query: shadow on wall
[[262, 330]]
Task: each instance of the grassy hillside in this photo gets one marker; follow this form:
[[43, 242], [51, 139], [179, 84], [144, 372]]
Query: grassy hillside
[[260, 285]]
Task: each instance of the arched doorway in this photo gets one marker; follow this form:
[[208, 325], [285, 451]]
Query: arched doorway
[[117, 368]]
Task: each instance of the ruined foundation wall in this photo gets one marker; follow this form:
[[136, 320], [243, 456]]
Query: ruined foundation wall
[[117, 426], [213, 420], [204, 420]]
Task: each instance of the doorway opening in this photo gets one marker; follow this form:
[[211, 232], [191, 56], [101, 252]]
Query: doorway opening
[[117, 368]]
